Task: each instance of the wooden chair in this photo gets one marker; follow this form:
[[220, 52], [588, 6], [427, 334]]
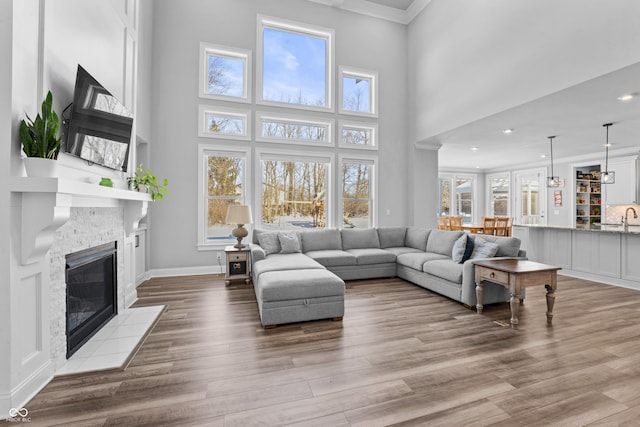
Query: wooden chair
[[455, 223], [501, 226], [488, 225], [443, 223], [509, 225]]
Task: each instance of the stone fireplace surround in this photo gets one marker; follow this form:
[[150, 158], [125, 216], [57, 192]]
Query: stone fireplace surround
[[50, 218]]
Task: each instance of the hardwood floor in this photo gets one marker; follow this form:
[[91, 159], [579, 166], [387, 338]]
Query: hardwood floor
[[401, 356]]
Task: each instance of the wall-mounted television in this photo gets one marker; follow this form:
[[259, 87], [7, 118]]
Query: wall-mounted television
[[99, 127]]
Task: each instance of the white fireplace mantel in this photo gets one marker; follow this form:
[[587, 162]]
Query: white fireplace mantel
[[47, 203]]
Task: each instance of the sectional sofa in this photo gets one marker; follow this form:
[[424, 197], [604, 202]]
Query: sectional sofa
[[299, 276]]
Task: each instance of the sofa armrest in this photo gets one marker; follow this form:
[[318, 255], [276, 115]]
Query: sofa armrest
[[257, 253]]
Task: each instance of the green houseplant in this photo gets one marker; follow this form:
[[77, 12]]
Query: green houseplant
[[40, 139], [146, 181]]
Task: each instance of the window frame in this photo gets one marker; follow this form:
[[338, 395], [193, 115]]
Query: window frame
[[373, 127], [204, 151], [452, 178], [225, 51], [372, 76], [264, 153], [304, 29], [245, 115], [507, 176], [295, 119], [372, 160]]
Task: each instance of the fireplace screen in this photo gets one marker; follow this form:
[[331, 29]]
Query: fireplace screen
[[91, 278]]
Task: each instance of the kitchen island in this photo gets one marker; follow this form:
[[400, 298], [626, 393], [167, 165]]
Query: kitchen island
[[607, 254]]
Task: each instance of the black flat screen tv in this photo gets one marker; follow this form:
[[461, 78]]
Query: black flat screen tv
[[99, 127]]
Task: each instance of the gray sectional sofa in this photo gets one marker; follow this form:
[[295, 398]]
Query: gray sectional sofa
[[299, 276]]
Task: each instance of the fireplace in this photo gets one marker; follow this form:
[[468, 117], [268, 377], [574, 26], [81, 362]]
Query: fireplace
[[91, 278]]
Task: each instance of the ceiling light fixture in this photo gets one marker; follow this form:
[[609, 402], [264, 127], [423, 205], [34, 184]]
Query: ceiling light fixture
[[552, 180], [607, 176], [474, 148], [627, 97], [507, 131]]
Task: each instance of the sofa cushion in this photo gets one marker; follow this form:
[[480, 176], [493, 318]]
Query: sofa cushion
[[269, 242], [441, 241], [417, 238], [282, 262], [416, 260], [332, 257], [319, 240], [403, 250], [462, 249], [298, 284], [507, 246], [392, 237], [446, 269], [289, 242], [356, 238], [372, 256], [483, 249]]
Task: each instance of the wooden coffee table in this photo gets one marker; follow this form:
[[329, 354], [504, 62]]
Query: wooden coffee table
[[516, 275]]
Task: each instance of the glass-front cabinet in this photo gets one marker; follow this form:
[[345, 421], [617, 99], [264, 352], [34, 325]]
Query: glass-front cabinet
[[588, 197]]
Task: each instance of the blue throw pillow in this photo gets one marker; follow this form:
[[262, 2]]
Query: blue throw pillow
[[462, 249]]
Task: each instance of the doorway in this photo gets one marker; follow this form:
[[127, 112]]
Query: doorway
[[530, 197]]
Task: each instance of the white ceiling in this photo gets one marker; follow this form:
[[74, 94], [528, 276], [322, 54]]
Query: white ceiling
[[400, 11], [397, 4], [574, 115]]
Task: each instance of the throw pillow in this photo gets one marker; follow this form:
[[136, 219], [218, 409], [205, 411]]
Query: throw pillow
[[483, 249], [289, 242], [462, 249], [269, 242]]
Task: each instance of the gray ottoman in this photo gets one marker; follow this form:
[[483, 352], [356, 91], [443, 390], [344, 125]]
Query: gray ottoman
[[299, 295]]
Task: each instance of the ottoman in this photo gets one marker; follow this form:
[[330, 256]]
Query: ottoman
[[299, 295]]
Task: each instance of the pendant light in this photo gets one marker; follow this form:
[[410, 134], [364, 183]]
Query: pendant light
[[552, 180], [607, 176]]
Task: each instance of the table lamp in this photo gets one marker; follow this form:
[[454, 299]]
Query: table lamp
[[240, 215]]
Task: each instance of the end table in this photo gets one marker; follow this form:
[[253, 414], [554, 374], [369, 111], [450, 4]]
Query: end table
[[238, 264]]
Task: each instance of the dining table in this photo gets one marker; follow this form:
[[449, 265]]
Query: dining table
[[471, 228]]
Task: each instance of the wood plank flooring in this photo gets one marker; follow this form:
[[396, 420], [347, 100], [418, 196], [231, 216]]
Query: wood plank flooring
[[401, 356]]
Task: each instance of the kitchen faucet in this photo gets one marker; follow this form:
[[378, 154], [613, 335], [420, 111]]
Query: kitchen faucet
[[626, 220]]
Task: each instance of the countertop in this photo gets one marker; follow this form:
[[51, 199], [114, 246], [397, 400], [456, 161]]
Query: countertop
[[604, 228]]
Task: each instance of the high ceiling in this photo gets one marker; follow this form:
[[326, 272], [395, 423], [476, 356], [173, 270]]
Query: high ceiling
[[397, 4]]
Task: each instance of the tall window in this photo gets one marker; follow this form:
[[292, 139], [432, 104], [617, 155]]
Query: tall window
[[445, 196], [457, 196], [295, 64], [295, 192], [357, 192], [224, 73], [223, 183], [498, 194]]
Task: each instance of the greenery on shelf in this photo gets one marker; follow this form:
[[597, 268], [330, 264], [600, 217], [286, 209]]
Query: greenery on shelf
[[39, 137], [146, 181]]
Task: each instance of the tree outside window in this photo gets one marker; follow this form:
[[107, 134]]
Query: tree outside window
[[356, 194], [225, 186]]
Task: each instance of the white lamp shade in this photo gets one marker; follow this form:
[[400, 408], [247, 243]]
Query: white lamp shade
[[238, 214]]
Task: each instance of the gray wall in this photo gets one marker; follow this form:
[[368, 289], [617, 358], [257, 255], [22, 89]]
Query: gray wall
[[179, 27]]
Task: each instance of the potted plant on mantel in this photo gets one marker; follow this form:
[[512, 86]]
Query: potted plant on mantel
[[148, 182], [40, 141]]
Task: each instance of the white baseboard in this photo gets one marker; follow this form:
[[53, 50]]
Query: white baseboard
[[26, 390], [600, 279], [184, 271]]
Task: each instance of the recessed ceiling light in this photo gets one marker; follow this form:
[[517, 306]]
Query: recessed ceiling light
[[544, 156], [627, 97], [474, 148], [477, 167], [507, 131]]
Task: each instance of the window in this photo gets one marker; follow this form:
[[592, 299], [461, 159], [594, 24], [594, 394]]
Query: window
[[284, 129], [223, 178], [456, 197], [295, 191], [228, 124], [295, 64], [357, 135], [224, 73], [358, 92], [357, 192], [498, 185]]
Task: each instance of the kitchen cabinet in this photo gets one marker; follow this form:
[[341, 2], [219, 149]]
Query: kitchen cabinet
[[626, 189], [596, 253]]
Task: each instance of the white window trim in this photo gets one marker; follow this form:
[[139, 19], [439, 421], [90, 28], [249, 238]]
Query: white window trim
[[373, 127], [244, 115], [488, 185], [203, 151], [373, 182], [294, 119], [231, 52], [294, 156], [452, 177], [306, 29], [373, 90]]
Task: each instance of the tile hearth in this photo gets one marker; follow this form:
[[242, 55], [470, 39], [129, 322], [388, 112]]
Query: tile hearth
[[112, 346]]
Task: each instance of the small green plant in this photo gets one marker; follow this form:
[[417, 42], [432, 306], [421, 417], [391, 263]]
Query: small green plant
[[39, 137], [148, 182]]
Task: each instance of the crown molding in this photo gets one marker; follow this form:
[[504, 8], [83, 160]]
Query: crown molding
[[375, 10]]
